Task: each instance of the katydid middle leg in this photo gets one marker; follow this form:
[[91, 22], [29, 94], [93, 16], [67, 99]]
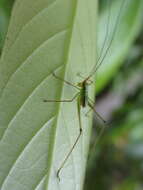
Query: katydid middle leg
[[68, 100]]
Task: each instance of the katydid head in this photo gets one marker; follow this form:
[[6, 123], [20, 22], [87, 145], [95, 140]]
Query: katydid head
[[85, 82], [88, 81], [80, 84]]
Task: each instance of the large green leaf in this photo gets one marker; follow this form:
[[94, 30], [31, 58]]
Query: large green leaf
[[35, 137]]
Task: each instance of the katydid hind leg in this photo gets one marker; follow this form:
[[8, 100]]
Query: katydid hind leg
[[104, 126], [97, 114], [76, 141]]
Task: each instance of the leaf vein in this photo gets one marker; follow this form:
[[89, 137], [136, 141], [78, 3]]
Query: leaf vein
[[26, 146]]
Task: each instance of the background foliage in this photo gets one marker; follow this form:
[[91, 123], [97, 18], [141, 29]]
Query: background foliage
[[117, 161], [5, 10]]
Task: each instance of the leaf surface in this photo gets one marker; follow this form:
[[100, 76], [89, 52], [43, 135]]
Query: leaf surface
[[44, 36]]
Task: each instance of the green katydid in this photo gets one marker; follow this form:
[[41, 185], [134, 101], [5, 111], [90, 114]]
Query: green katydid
[[81, 96], [82, 101]]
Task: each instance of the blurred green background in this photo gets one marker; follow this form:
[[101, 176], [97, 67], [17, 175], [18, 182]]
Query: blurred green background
[[116, 163], [5, 11]]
